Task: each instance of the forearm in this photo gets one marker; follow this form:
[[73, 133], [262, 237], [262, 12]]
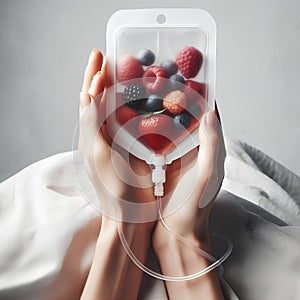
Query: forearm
[[113, 275], [177, 259]]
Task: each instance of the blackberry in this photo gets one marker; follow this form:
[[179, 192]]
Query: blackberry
[[134, 95]]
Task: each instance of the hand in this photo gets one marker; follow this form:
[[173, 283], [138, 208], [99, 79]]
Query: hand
[[195, 192], [102, 163], [112, 274], [197, 187]]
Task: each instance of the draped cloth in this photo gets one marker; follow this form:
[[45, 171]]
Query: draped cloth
[[48, 229]]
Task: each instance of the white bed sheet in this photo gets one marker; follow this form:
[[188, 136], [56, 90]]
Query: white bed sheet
[[47, 229]]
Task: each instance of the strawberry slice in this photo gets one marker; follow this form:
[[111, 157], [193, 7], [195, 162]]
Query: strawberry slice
[[155, 130]]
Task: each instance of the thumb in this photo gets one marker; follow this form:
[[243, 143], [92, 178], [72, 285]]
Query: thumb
[[211, 157]]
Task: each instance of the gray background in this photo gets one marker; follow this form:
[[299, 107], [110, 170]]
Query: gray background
[[44, 47]]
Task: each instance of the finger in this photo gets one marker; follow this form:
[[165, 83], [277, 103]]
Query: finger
[[211, 157], [92, 144], [210, 138], [94, 65], [98, 92], [104, 67], [84, 101], [93, 81], [109, 80], [97, 85]]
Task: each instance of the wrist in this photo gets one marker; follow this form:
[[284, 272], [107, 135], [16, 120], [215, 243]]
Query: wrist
[[109, 228], [164, 240], [136, 207]]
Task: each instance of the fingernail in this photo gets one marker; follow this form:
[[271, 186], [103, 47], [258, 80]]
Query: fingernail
[[217, 113], [84, 99], [209, 118]]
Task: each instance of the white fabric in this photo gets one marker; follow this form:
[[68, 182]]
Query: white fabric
[[259, 179], [47, 229]]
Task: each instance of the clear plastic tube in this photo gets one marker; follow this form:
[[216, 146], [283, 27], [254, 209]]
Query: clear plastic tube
[[215, 262]]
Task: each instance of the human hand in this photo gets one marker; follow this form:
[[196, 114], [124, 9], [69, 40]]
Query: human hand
[[112, 274], [196, 188], [105, 166]]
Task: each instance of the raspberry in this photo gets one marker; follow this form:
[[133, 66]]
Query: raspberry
[[134, 94], [128, 68], [154, 79], [174, 102], [189, 61]]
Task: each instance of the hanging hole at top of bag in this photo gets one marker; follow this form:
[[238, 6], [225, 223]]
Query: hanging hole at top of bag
[[161, 18]]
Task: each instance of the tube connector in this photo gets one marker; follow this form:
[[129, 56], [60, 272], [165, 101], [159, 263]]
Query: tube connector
[[158, 174]]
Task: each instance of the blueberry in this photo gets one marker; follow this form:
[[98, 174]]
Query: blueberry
[[153, 103], [176, 82], [146, 57], [182, 121], [169, 66]]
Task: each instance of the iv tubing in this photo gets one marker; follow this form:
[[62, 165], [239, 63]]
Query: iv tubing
[[216, 262]]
